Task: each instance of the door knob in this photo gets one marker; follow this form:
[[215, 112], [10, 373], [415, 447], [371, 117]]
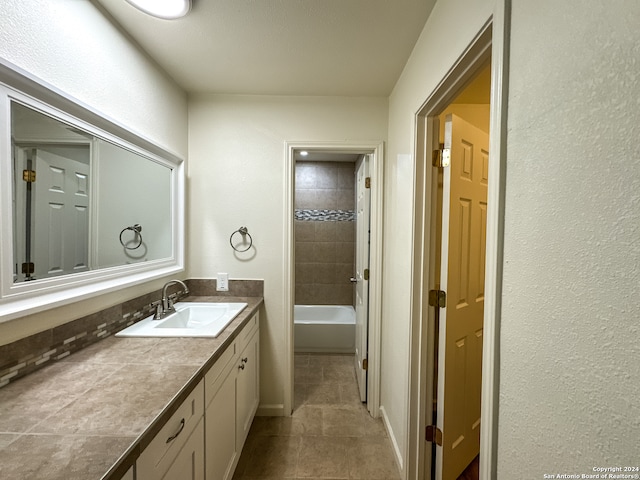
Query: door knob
[[353, 280]]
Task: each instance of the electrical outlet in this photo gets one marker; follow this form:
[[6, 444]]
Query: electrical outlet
[[222, 283]]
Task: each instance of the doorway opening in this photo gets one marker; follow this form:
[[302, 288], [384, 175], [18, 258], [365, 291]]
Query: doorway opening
[[456, 236], [333, 258], [459, 255]]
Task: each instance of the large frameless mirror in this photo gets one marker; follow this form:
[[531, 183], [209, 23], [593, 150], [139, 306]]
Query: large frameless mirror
[[83, 210]]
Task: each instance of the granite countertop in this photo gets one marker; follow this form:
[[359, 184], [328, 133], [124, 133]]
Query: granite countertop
[[90, 415]]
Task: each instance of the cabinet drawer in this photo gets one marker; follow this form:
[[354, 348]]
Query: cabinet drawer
[[247, 332], [190, 462], [156, 459]]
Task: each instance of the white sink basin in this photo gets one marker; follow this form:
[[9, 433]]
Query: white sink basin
[[192, 319]]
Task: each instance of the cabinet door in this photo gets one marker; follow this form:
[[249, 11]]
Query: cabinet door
[[128, 475], [220, 432], [189, 464], [248, 387]]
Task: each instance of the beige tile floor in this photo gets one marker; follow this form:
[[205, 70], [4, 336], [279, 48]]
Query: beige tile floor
[[329, 436]]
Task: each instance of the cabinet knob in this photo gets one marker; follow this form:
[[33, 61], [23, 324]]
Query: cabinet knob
[[245, 360], [241, 366]]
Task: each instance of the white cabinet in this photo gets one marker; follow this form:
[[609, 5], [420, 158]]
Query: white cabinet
[[190, 461], [248, 388], [179, 442], [220, 435], [205, 435], [231, 396]]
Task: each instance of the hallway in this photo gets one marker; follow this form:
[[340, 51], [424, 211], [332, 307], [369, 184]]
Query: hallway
[[329, 436]]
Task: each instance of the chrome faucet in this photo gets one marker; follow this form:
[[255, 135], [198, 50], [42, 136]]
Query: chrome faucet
[[165, 307]]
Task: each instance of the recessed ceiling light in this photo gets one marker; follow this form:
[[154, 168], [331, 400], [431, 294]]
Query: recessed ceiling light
[[167, 9], [304, 153]]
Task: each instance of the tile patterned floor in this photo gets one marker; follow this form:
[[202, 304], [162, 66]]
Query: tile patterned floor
[[329, 436]]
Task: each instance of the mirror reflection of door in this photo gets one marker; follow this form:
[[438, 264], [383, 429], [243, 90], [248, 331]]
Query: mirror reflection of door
[[52, 186]]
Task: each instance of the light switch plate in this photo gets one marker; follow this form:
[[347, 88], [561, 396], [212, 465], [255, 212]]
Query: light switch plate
[[222, 283]]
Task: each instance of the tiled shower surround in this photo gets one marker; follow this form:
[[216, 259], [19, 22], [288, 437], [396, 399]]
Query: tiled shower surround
[[324, 233], [26, 355]]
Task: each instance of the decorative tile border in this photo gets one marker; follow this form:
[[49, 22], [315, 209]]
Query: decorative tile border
[[309, 215], [28, 354]]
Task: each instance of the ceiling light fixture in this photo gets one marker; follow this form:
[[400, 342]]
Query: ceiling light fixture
[[304, 153], [167, 9]]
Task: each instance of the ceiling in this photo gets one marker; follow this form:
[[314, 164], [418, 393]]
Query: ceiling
[[325, 156], [280, 47]]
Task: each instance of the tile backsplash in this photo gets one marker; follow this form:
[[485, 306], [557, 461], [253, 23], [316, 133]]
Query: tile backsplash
[[26, 355]]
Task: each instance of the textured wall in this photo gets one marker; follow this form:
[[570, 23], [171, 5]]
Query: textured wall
[[324, 248], [569, 374], [457, 21], [73, 47]]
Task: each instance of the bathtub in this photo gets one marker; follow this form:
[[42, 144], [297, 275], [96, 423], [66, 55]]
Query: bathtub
[[324, 328]]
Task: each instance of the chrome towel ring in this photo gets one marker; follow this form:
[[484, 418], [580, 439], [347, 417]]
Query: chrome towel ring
[[137, 229], [245, 233]]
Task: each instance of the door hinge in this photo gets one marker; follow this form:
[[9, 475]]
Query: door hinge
[[365, 364], [28, 268], [441, 158], [367, 182], [29, 176], [433, 434], [366, 274], [437, 298]]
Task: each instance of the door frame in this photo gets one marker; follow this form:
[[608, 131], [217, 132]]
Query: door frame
[[361, 296], [491, 41], [376, 171]]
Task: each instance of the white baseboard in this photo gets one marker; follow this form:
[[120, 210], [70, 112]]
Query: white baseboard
[[392, 438], [273, 410]]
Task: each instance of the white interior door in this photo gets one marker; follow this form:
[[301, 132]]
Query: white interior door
[[464, 218], [61, 209], [363, 206]]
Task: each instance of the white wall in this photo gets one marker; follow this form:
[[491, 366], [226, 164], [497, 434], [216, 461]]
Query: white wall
[[236, 177], [569, 331], [72, 46], [450, 28], [569, 371]]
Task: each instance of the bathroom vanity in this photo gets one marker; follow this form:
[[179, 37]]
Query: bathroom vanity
[[137, 408]]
